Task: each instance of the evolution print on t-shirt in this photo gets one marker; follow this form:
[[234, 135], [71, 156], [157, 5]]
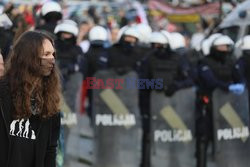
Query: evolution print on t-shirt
[[21, 128]]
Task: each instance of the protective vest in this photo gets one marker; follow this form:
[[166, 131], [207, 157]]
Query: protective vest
[[222, 70], [97, 58], [166, 68], [122, 61], [68, 59], [67, 54], [246, 59]]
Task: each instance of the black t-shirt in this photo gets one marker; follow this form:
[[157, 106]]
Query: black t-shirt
[[23, 138]]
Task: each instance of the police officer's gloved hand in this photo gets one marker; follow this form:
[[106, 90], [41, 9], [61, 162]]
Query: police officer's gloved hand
[[73, 68], [237, 89], [122, 70], [171, 89]]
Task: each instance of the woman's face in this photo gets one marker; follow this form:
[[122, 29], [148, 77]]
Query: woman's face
[[1, 65], [48, 59]]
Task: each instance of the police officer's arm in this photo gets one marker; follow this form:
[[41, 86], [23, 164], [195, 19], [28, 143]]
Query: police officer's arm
[[239, 71], [83, 64], [185, 71], [110, 57], [210, 81], [144, 69], [50, 157]]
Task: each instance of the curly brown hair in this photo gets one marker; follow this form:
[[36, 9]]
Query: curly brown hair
[[23, 70]]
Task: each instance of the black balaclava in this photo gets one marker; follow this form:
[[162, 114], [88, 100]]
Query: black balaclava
[[66, 43], [52, 17], [161, 52], [220, 55], [127, 46]]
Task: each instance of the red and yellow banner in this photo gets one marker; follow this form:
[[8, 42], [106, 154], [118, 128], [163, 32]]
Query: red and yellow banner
[[184, 15]]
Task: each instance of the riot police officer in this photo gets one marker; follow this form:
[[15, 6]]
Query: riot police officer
[[143, 50], [69, 55], [244, 60], [215, 71], [51, 13], [124, 56], [69, 58], [161, 63], [122, 66], [167, 64], [242, 65], [96, 57]]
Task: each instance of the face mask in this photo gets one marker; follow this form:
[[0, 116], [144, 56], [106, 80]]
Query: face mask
[[67, 43], [70, 41], [128, 45], [98, 43], [47, 65], [161, 52], [220, 55]]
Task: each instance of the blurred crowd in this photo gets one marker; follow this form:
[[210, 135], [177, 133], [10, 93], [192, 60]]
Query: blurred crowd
[[24, 17]]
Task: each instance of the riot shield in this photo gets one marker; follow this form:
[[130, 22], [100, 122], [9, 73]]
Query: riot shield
[[72, 87], [69, 102], [172, 129], [116, 120], [231, 129]]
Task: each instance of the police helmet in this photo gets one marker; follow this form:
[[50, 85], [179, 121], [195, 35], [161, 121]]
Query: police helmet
[[145, 32], [178, 41], [98, 33], [223, 40], [133, 32], [68, 26], [244, 43], [50, 6], [158, 37], [207, 43]]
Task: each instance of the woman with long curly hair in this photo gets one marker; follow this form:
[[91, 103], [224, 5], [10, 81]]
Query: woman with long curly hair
[[30, 94]]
